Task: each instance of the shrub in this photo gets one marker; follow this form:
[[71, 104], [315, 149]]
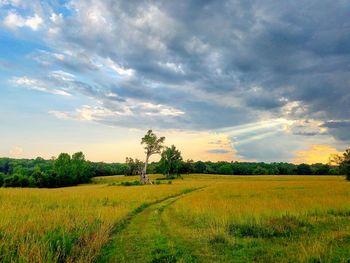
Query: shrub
[[16, 180]]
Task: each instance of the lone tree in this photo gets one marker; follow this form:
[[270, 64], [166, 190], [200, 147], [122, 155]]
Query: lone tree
[[153, 145], [171, 160]]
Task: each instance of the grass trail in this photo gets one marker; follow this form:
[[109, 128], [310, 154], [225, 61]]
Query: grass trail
[[143, 237]]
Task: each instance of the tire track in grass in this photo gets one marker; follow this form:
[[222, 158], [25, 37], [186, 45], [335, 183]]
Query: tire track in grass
[[139, 237]]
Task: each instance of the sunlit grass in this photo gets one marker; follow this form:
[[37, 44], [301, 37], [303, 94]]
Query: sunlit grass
[[67, 224], [235, 218], [280, 217]]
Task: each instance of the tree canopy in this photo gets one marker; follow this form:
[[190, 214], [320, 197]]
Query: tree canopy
[[171, 161]]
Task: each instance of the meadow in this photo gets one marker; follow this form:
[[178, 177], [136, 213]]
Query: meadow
[[200, 218]]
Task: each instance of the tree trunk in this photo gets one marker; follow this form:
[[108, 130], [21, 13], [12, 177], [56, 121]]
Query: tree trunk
[[144, 179]]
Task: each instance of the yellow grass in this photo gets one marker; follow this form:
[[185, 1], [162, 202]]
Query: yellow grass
[[40, 225], [255, 197], [252, 200], [31, 217]]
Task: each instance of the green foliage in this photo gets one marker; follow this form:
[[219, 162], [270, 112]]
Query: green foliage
[[303, 169], [2, 177], [40, 178], [250, 168], [134, 167], [225, 169], [63, 171], [16, 180], [260, 171], [199, 167], [106, 169], [343, 161], [152, 143], [345, 164], [63, 168], [71, 170], [170, 161], [320, 169]]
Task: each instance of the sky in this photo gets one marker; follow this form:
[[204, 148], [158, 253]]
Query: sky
[[225, 80]]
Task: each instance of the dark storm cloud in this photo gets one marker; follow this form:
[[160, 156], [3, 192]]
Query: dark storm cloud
[[339, 129]]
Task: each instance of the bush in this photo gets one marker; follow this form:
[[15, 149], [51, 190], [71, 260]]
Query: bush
[[16, 180]]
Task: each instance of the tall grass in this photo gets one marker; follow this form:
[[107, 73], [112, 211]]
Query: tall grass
[[67, 224], [268, 219]]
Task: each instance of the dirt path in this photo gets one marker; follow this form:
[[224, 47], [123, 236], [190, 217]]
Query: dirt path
[[142, 237]]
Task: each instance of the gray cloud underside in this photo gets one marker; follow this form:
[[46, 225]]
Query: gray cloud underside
[[222, 63]]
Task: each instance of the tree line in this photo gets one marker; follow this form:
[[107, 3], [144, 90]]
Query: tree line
[[246, 168], [66, 170]]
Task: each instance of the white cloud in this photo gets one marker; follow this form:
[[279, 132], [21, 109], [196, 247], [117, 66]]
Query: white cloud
[[13, 21], [62, 75], [88, 113], [117, 68], [38, 85], [158, 109], [15, 3], [129, 108]]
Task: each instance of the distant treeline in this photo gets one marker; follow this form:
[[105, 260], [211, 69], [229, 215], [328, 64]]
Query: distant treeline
[[66, 170], [250, 168]]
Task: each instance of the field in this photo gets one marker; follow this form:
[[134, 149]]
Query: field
[[202, 218]]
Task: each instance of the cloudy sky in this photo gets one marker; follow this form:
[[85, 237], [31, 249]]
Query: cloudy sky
[[222, 80]]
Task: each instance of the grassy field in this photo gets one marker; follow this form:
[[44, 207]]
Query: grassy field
[[202, 218]]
